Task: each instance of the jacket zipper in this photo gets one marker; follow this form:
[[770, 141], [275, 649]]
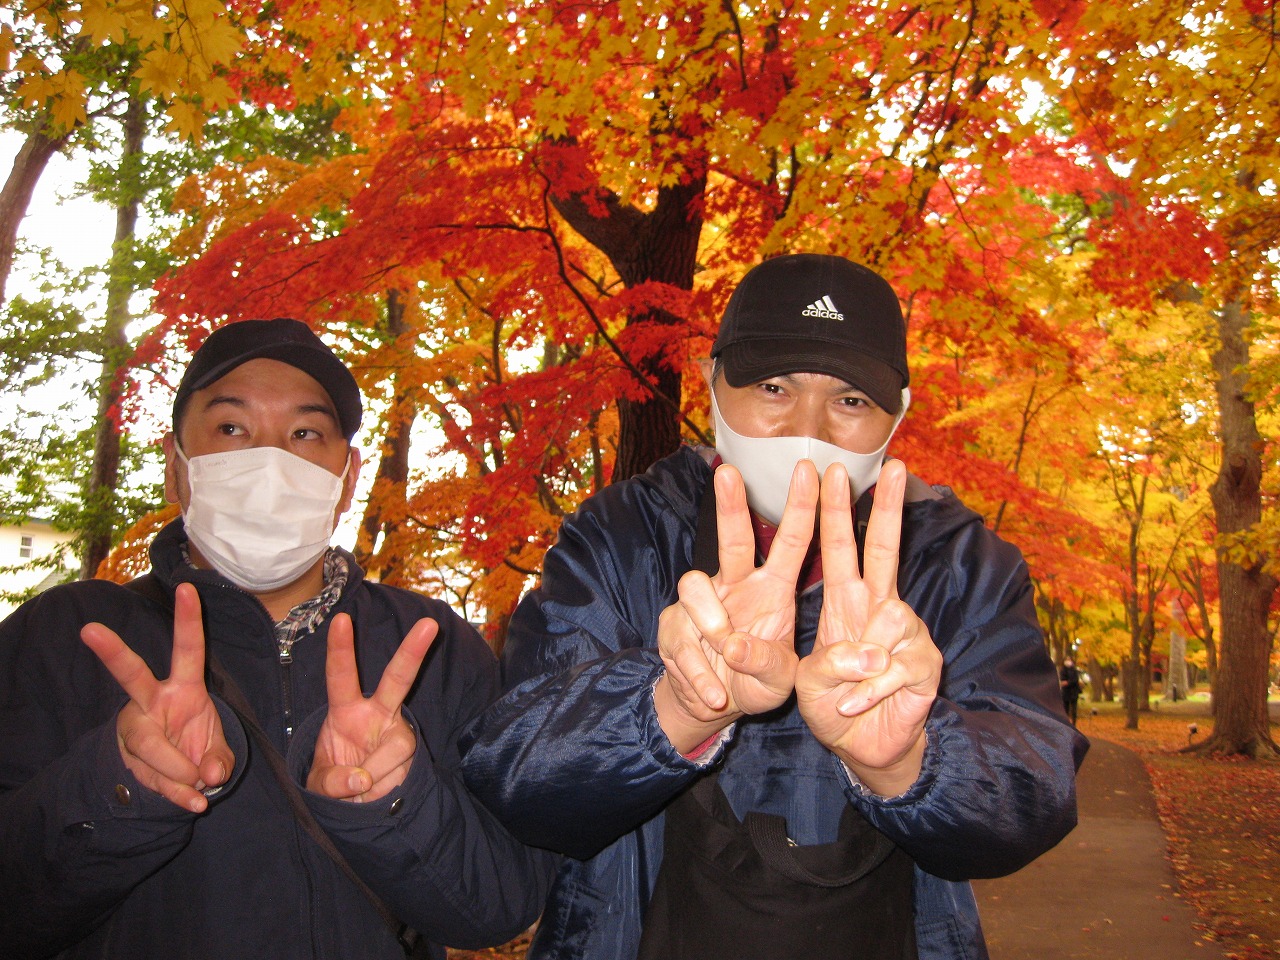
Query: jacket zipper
[[286, 691]]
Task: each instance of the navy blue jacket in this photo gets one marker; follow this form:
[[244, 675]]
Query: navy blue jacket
[[92, 864], [573, 758]]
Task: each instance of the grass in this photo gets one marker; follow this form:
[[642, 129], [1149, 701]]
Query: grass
[[1221, 817]]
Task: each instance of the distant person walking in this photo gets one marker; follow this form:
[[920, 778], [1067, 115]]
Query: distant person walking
[[1069, 680]]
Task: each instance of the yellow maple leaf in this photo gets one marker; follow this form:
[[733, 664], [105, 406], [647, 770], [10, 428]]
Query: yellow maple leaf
[[102, 22], [7, 46], [68, 112], [35, 89], [162, 72], [186, 119], [220, 41]]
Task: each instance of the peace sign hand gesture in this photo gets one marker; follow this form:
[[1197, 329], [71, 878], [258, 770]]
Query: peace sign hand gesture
[[866, 689], [365, 746], [169, 733], [728, 643]]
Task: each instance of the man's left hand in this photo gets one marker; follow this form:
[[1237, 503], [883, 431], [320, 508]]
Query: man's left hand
[[866, 689], [365, 747]]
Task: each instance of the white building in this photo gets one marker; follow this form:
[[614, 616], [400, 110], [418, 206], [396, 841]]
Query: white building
[[20, 544]]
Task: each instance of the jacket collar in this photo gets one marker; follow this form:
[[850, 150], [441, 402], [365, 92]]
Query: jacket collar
[[221, 600]]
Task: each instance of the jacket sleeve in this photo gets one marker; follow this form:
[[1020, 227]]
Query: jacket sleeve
[[77, 831], [573, 756], [440, 861], [998, 784]]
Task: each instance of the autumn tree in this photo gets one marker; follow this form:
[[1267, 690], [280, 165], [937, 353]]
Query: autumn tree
[[1181, 112], [600, 187], [66, 66], [71, 73]]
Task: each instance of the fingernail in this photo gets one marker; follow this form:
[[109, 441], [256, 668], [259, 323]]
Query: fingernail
[[357, 783]]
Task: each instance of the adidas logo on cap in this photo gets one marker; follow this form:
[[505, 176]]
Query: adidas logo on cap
[[823, 308]]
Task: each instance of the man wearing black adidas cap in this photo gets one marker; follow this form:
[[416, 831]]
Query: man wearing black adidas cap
[[754, 749], [290, 788]]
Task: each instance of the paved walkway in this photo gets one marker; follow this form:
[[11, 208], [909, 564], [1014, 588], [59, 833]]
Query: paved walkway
[[1107, 890]]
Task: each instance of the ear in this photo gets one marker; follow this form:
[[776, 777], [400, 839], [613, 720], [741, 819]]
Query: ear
[[171, 466], [349, 483], [707, 366]]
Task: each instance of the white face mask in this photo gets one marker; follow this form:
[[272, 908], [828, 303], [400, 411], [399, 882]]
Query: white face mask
[[767, 463], [261, 516]]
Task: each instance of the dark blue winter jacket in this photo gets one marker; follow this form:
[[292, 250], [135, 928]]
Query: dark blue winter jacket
[[573, 758], [92, 864]]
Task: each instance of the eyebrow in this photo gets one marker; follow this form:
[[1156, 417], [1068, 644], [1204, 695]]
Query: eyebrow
[[791, 378], [232, 400]]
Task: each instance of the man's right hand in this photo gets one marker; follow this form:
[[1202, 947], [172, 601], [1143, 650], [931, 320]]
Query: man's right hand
[[169, 733], [729, 642]]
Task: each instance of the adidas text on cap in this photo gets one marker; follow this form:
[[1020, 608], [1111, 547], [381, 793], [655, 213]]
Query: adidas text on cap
[[814, 313], [284, 339]]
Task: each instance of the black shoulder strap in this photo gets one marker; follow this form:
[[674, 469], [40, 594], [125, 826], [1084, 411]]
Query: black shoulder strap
[[225, 686], [149, 586]]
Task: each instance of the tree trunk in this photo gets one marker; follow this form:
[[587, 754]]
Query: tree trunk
[[1130, 673], [1195, 585], [661, 246], [1097, 681], [1176, 680], [15, 198], [100, 497], [1241, 724], [1148, 637], [498, 626], [391, 483]]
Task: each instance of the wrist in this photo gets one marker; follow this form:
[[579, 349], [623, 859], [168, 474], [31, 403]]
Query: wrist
[[686, 732], [890, 780]]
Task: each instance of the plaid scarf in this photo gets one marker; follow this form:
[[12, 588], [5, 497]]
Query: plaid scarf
[[309, 614]]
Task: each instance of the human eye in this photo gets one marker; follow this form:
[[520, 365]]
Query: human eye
[[230, 429], [856, 402], [307, 433]]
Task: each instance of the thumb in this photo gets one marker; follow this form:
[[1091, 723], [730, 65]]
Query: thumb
[[218, 761]]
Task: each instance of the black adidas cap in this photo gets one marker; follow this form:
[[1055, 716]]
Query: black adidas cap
[[813, 313], [289, 341]]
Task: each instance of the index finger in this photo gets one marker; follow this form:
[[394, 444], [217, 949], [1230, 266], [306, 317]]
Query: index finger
[[884, 532], [405, 665], [129, 669], [187, 665], [795, 530], [735, 540]]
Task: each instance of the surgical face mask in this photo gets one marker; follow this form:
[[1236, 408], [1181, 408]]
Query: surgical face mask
[[262, 516], [767, 463]]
